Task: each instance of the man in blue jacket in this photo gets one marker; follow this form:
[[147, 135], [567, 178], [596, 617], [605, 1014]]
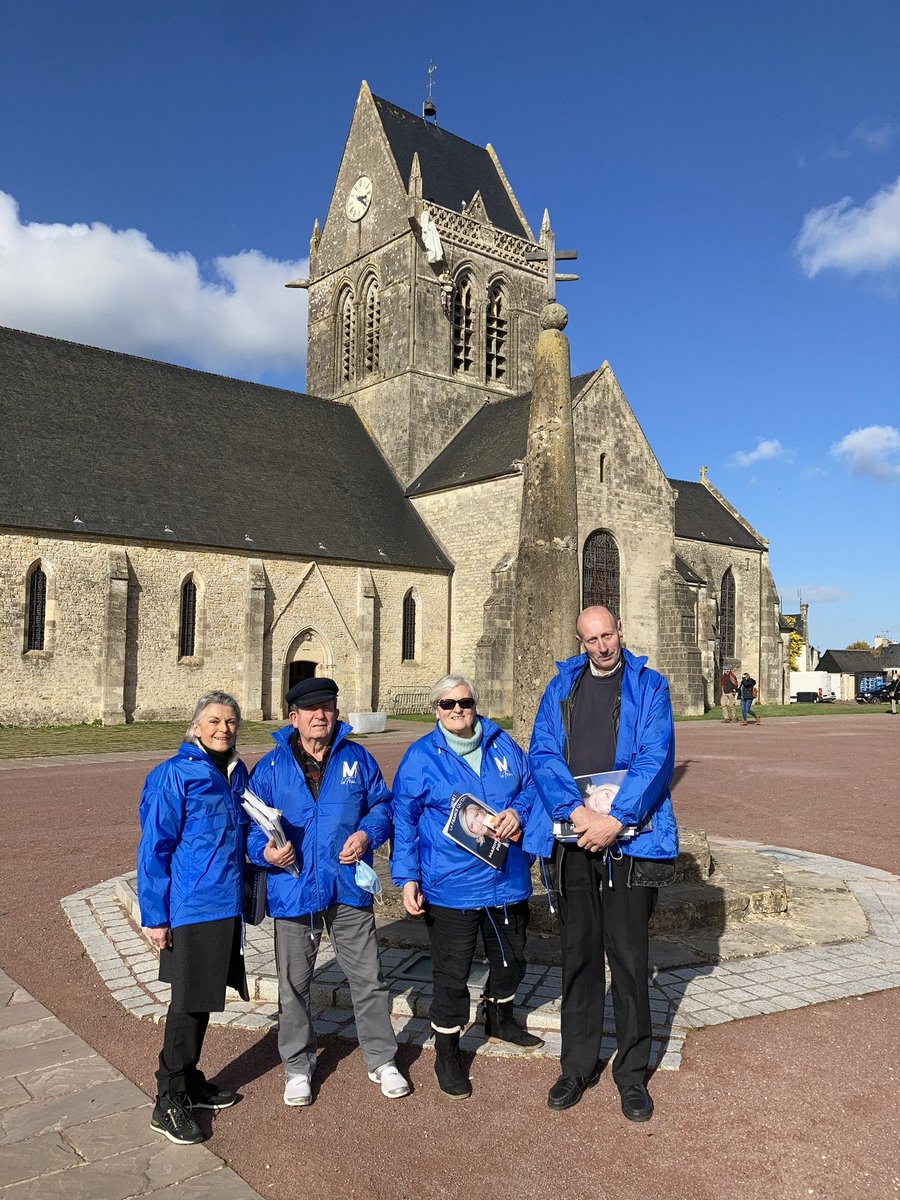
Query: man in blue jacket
[[336, 811], [605, 710]]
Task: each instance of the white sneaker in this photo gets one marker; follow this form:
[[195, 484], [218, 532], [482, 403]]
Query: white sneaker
[[298, 1091], [393, 1085]]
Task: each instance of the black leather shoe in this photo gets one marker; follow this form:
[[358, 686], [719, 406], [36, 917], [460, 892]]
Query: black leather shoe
[[569, 1089], [636, 1103]]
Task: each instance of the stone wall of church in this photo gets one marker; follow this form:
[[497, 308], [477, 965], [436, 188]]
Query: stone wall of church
[[112, 630], [758, 647], [477, 527], [623, 491]]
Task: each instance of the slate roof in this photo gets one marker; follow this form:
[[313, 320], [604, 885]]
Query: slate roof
[[688, 574], [487, 447], [701, 517], [453, 170], [889, 656], [131, 446], [849, 662]]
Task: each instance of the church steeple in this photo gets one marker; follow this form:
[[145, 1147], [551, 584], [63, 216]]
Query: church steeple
[[423, 251]]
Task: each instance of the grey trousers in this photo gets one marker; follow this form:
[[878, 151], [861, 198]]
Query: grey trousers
[[352, 933]]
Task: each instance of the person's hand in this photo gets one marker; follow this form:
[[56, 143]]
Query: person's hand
[[597, 831], [354, 848], [283, 857], [413, 900], [506, 824], [160, 937]]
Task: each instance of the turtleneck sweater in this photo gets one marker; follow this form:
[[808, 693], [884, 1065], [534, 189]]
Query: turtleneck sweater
[[469, 748]]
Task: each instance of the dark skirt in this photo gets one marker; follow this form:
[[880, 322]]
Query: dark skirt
[[201, 961]]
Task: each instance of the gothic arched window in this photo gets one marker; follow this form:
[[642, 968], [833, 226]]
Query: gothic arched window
[[462, 357], [726, 617], [372, 309], [600, 571], [497, 333], [346, 336], [187, 620], [408, 650], [37, 609]]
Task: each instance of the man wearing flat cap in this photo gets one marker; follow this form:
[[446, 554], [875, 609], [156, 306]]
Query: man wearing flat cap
[[336, 810]]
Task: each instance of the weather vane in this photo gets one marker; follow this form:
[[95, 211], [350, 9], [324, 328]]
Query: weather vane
[[428, 108]]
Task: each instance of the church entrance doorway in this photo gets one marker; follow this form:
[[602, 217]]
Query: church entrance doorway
[[298, 671], [307, 655]]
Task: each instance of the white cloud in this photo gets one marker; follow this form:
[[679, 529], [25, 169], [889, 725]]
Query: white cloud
[[873, 451], [852, 239], [114, 288], [872, 136], [823, 594], [765, 450]]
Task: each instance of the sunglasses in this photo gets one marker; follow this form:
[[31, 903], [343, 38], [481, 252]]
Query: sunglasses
[[466, 703]]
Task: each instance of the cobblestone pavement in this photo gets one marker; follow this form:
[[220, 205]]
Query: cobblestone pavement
[[681, 999], [72, 1126]]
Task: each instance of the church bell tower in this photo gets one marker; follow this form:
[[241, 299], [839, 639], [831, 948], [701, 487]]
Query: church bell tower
[[422, 306]]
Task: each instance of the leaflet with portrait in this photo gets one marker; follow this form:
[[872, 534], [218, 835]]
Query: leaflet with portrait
[[470, 826], [598, 792]]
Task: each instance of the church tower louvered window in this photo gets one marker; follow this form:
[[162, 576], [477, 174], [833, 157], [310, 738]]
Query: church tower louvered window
[[726, 617], [37, 609], [187, 625], [347, 336], [600, 573], [463, 360], [373, 328], [497, 331]]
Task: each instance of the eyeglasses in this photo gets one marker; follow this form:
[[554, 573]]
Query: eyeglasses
[[466, 703]]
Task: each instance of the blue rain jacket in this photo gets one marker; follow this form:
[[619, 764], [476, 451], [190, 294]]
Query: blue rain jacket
[[426, 780], [645, 747], [191, 853], [352, 796]]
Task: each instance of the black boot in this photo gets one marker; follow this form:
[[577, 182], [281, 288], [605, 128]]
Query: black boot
[[448, 1067], [500, 1026]]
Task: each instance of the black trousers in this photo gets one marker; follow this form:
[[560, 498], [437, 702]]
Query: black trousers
[[599, 913], [182, 1044], [454, 935]]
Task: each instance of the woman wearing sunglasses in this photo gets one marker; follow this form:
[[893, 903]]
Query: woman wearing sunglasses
[[460, 894]]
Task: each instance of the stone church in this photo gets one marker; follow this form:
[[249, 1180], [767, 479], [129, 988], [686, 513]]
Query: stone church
[[165, 531]]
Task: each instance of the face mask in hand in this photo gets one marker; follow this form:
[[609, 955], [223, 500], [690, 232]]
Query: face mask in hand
[[367, 879]]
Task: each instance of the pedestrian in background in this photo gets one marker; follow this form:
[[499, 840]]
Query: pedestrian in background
[[729, 686], [748, 692]]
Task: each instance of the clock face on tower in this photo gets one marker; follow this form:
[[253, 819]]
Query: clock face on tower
[[360, 198]]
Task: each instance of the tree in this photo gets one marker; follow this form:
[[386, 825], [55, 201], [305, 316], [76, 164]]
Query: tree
[[795, 643], [859, 646]]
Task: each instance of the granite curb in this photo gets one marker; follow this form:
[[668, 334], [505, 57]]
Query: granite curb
[[683, 998]]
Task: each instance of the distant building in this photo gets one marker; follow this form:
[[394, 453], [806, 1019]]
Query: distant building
[[166, 531], [857, 670]]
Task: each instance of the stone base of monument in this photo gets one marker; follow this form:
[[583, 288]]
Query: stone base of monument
[[367, 722], [726, 903]]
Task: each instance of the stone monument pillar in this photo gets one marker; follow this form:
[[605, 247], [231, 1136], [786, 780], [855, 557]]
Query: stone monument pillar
[[547, 589]]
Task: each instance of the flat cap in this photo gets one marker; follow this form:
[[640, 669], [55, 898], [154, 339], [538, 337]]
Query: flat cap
[[310, 692]]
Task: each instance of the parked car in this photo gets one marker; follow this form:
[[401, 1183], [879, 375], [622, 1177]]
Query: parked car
[[876, 695]]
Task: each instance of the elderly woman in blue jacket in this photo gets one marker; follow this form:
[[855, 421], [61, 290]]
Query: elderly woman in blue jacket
[[460, 894], [190, 882]]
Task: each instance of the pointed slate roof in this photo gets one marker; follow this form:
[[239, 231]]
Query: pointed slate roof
[[849, 662], [487, 447], [146, 450], [702, 518], [453, 170], [688, 574]]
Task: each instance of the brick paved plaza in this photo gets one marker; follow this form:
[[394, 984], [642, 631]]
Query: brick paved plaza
[[775, 1072]]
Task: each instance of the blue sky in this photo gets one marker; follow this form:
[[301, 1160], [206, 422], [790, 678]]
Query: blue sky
[[728, 173]]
